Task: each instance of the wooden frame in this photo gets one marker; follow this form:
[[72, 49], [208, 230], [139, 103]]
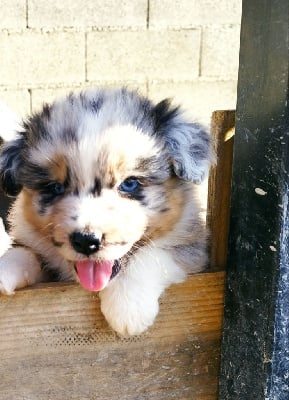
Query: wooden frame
[[55, 344]]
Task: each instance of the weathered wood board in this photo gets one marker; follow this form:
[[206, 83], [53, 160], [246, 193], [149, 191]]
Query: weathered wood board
[[219, 187], [55, 344]]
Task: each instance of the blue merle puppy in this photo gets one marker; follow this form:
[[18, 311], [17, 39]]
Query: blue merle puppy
[[105, 187]]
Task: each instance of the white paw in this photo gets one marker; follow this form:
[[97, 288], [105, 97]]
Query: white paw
[[126, 313], [130, 301], [18, 268]]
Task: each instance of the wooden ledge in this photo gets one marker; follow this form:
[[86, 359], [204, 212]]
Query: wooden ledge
[[56, 341]]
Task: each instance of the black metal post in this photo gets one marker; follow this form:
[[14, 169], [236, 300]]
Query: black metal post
[[255, 348]]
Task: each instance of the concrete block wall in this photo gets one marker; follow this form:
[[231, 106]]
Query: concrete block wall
[[187, 50]]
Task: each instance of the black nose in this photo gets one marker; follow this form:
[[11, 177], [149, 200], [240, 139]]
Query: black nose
[[85, 243]]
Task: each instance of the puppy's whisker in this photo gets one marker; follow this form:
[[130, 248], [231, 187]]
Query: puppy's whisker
[[147, 241], [41, 241], [137, 257], [45, 227]]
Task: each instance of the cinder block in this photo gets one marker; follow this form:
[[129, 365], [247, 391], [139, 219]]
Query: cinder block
[[13, 14], [198, 99], [17, 100], [36, 58], [100, 13], [143, 55], [189, 13], [220, 51]]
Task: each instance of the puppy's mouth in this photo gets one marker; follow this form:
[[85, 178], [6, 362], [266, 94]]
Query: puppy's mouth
[[95, 275]]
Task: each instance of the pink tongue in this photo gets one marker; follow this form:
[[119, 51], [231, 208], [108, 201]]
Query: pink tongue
[[94, 275]]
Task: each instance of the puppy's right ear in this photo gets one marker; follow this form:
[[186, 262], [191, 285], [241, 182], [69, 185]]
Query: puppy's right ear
[[10, 163]]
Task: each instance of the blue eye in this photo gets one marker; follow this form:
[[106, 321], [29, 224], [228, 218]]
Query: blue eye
[[129, 185], [56, 188]]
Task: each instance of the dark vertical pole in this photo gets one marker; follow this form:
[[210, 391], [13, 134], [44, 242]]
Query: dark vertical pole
[[255, 349]]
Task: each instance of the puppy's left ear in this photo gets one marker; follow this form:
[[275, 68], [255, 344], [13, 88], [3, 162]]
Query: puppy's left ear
[[188, 144], [10, 164]]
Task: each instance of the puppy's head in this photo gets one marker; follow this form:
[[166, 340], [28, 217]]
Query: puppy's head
[[101, 173]]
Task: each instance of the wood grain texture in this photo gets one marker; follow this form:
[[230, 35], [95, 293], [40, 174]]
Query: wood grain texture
[[55, 344], [219, 187]]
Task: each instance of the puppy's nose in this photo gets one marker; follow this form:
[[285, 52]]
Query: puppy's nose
[[85, 243]]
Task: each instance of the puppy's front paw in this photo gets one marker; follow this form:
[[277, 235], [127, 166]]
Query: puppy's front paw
[[127, 314], [18, 268]]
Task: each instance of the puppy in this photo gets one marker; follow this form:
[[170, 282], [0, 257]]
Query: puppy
[[105, 186]]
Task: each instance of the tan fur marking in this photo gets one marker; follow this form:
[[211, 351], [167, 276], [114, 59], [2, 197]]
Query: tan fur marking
[[41, 223], [116, 170], [58, 168], [175, 205]]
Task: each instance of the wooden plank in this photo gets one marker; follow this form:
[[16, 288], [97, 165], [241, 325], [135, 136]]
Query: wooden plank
[[55, 344], [255, 349], [219, 187]]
